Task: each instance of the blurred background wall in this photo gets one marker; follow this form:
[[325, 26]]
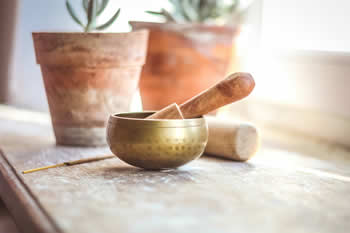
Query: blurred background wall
[[26, 86], [306, 24], [8, 16], [303, 59]]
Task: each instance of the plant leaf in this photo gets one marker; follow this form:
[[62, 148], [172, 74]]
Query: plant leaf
[[72, 13], [176, 3], [202, 10], [102, 7], [154, 13], [182, 10], [190, 11], [85, 5], [169, 17], [92, 10], [109, 22], [177, 13]]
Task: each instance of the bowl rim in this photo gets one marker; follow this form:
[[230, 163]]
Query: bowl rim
[[160, 123]]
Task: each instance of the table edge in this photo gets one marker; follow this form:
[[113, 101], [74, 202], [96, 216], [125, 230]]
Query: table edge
[[27, 212]]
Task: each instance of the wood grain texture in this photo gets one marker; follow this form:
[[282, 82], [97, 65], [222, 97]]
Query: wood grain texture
[[7, 224], [232, 139], [233, 88], [276, 191], [21, 202], [170, 112]]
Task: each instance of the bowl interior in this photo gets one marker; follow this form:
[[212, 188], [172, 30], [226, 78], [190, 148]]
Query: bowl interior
[[137, 119], [134, 115]]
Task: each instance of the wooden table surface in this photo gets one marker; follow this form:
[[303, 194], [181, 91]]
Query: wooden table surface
[[7, 224], [276, 191]]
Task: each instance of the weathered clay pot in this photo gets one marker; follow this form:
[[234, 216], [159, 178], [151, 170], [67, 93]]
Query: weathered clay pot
[[183, 60], [87, 77], [8, 13]]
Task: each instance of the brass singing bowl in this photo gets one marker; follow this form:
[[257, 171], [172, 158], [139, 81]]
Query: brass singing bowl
[[156, 144]]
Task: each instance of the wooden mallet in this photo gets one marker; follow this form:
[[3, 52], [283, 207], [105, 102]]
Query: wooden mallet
[[232, 140], [233, 88]]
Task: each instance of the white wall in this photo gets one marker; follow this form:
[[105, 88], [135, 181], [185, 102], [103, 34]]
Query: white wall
[[51, 15], [26, 83], [289, 71], [307, 24], [301, 24]]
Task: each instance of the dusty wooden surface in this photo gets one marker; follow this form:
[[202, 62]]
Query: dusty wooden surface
[[277, 191], [7, 224]]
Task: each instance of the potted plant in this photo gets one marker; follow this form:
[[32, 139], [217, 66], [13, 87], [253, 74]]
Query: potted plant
[[88, 75], [188, 53]]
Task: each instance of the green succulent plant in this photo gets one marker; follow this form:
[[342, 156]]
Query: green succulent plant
[[198, 11], [93, 9]]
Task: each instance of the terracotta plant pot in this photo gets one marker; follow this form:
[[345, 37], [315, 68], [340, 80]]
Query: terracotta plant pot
[[183, 60], [8, 13], [88, 76]]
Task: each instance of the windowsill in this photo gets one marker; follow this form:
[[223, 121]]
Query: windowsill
[[297, 182], [303, 92]]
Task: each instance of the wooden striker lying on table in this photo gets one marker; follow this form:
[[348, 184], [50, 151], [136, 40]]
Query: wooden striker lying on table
[[233, 88], [232, 140]]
